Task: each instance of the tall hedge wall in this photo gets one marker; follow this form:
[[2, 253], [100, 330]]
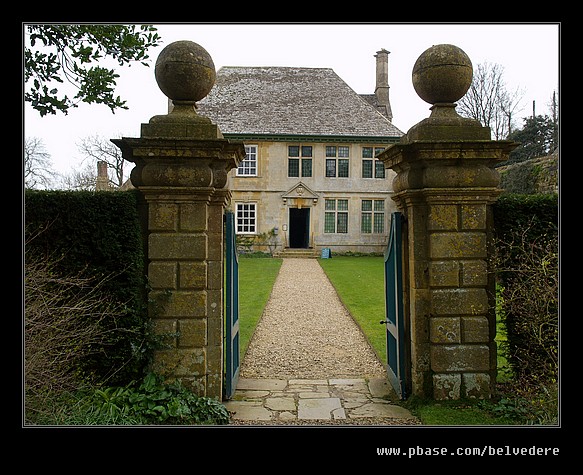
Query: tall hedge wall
[[96, 234], [527, 246]]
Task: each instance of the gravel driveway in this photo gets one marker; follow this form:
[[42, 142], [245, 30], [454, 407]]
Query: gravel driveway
[[306, 332]]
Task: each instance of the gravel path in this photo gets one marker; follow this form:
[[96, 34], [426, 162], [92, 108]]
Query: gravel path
[[306, 332]]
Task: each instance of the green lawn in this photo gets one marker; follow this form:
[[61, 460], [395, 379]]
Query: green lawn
[[360, 283], [256, 279]]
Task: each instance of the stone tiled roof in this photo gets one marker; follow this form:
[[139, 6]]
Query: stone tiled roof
[[291, 101]]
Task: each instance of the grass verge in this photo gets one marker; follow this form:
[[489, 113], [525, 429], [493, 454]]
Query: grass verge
[[256, 279]]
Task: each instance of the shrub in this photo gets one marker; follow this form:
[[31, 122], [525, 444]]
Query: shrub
[[151, 402], [95, 237], [63, 329], [527, 270]]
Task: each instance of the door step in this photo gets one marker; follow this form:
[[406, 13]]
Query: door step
[[300, 253]]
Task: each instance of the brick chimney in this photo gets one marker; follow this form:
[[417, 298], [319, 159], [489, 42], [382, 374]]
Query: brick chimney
[[102, 183], [382, 83]]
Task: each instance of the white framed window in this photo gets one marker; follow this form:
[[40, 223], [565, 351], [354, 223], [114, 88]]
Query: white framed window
[[248, 167], [246, 218]]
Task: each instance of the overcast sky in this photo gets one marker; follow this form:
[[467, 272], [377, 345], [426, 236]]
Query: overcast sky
[[528, 52]]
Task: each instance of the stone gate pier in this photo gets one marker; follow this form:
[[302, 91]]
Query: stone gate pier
[[181, 165], [445, 186]]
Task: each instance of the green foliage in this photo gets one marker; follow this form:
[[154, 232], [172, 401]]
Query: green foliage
[[537, 138], [151, 402], [97, 235], [526, 228], [154, 402], [66, 52]]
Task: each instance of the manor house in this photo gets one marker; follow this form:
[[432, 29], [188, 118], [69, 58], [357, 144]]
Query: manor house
[[310, 174]]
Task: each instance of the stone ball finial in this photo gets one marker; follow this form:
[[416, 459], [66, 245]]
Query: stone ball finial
[[185, 71], [442, 74]]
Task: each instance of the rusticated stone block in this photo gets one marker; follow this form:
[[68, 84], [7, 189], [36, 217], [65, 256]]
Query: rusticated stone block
[[473, 217], [193, 217], [192, 333], [442, 218], [476, 385], [446, 386], [444, 274], [445, 330], [474, 273], [178, 304], [166, 331], [460, 245], [177, 246], [162, 275], [163, 216], [454, 358], [180, 362], [475, 330], [193, 275], [459, 301]]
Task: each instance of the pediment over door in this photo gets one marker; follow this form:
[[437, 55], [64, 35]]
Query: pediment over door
[[301, 193]]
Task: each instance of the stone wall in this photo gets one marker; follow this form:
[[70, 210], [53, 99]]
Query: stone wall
[[537, 175]]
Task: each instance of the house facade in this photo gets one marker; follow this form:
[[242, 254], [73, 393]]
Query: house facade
[[310, 179]]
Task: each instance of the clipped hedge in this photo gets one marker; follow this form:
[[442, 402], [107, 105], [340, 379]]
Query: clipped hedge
[[98, 235], [526, 231]]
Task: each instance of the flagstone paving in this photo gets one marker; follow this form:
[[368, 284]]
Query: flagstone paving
[[289, 401]]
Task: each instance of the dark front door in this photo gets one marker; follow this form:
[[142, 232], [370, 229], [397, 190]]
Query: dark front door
[[299, 227]]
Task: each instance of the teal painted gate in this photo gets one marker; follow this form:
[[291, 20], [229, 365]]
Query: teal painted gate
[[231, 308], [396, 344]]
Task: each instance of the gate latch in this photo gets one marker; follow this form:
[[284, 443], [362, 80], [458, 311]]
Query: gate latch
[[384, 322]]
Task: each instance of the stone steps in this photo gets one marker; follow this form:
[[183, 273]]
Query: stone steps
[[297, 253]]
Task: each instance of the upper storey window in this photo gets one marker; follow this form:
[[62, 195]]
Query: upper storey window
[[299, 160], [337, 161], [248, 167]]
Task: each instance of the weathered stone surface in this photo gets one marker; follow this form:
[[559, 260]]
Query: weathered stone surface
[[162, 275], [450, 358], [447, 386], [445, 330], [442, 73], [185, 71], [163, 216], [459, 245], [474, 273], [473, 217], [444, 273], [192, 333], [475, 330], [192, 275], [177, 246], [193, 217], [442, 218], [459, 301], [280, 403], [180, 362], [188, 303], [476, 385], [324, 408]]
